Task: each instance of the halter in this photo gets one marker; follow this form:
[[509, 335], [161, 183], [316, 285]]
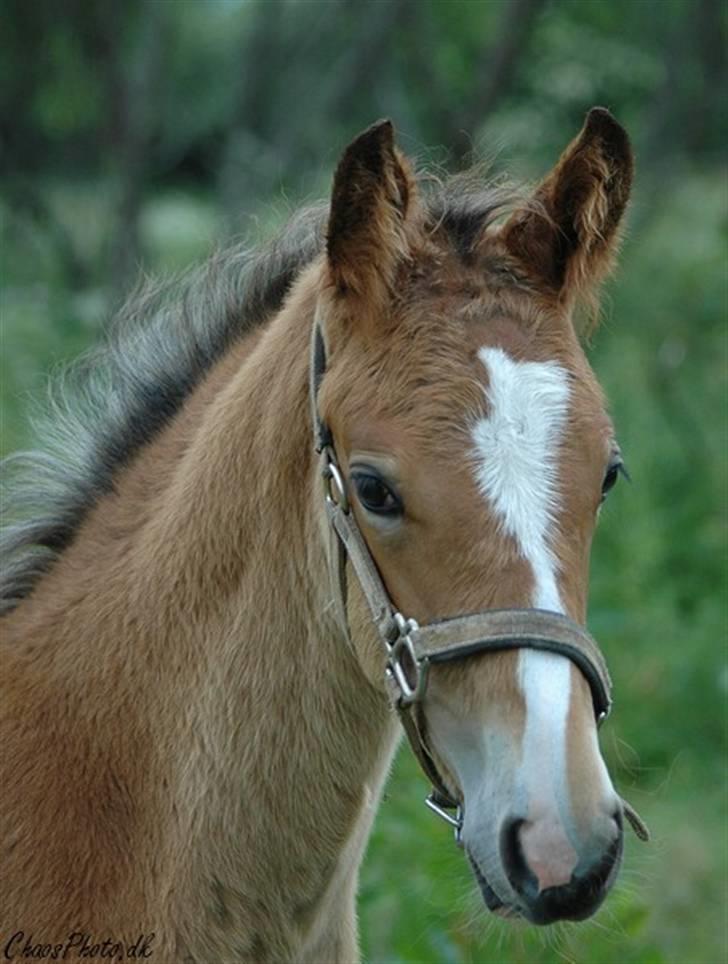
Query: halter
[[411, 649]]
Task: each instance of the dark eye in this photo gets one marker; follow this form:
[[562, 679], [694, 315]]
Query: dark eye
[[610, 479], [375, 495]]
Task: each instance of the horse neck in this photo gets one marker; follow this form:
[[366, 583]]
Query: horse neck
[[300, 740], [195, 605]]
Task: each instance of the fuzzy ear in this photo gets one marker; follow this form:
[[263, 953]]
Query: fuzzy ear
[[372, 194], [569, 234]]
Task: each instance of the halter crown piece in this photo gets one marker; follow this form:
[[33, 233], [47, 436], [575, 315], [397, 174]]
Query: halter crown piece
[[412, 649]]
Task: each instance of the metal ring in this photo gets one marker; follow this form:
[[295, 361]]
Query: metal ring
[[409, 693], [334, 487], [455, 822]]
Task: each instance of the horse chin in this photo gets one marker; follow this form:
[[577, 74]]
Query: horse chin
[[492, 901]]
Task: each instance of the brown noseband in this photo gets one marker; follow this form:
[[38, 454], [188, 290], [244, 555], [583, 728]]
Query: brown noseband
[[411, 649]]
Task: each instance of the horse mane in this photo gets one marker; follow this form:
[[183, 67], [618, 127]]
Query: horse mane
[[113, 400]]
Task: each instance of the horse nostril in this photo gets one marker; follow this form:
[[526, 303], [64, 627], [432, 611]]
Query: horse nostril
[[517, 870], [598, 875], [537, 855]]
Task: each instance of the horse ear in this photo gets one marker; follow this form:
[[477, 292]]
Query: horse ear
[[569, 234], [372, 194]]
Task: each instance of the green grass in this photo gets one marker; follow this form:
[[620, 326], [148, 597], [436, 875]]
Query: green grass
[[658, 601]]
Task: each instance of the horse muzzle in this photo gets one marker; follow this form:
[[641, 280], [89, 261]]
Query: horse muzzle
[[541, 879]]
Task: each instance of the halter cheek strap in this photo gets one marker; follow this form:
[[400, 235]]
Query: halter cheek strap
[[411, 649]]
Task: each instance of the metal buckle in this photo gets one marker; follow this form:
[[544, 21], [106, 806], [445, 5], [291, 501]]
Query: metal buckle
[[408, 692], [455, 822], [334, 488]]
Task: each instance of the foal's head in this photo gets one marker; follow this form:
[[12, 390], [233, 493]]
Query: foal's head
[[477, 452]]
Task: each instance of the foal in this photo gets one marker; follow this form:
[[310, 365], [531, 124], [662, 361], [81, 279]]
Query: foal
[[194, 716]]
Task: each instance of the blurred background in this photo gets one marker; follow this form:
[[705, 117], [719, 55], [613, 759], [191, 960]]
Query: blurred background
[[135, 136]]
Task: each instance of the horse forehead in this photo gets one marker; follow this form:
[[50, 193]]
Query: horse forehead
[[526, 395], [521, 369]]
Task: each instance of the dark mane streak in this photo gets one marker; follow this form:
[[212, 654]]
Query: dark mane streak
[[120, 396], [113, 401]]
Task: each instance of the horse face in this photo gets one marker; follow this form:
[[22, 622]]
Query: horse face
[[477, 451]]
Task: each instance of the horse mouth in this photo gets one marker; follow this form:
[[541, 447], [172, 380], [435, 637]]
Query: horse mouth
[[492, 901]]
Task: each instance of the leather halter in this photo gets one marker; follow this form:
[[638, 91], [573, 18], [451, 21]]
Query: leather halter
[[411, 649]]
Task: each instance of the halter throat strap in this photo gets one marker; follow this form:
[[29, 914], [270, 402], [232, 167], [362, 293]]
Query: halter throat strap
[[410, 649]]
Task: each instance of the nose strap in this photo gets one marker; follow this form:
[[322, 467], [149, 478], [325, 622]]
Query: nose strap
[[496, 630]]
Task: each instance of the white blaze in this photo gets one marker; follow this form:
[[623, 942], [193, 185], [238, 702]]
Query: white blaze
[[516, 457], [516, 450]]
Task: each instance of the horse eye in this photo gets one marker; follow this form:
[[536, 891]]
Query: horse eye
[[375, 495], [610, 479]]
